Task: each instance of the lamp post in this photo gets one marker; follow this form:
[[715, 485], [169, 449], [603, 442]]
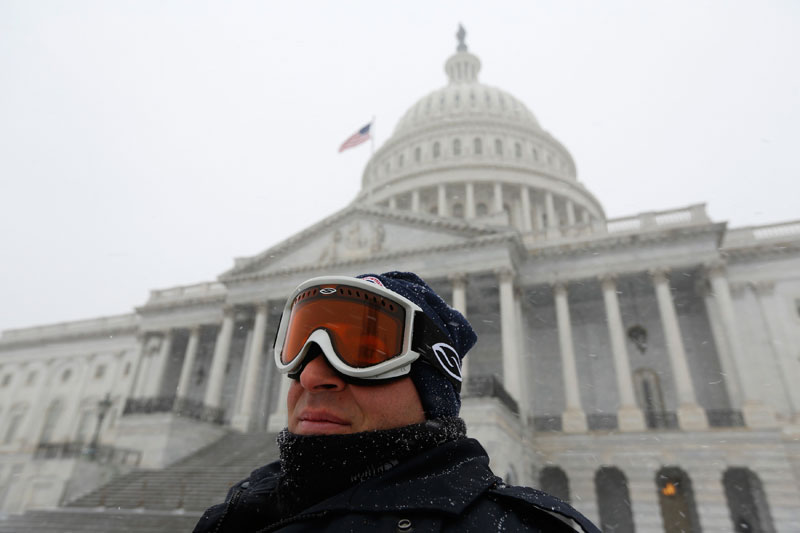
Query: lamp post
[[102, 410]]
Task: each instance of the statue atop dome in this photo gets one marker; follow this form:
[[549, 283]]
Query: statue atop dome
[[460, 35]]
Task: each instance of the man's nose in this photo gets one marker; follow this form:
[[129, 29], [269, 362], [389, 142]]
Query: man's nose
[[319, 375]]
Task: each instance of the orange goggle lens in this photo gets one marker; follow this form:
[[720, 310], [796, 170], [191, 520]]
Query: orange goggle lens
[[365, 328]]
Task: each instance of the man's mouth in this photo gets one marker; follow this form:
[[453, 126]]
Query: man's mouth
[[321, 422]]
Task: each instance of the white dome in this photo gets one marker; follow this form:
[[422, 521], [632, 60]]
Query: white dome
[[470, 140], [465, 99]]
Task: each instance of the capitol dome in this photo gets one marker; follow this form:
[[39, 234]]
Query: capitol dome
[[469, 150]]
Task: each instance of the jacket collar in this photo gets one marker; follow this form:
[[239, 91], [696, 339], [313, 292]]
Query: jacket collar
[[446, 478]]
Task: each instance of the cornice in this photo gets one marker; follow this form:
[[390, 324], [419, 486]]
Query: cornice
[[69, 337], [179, 304], [761, 251], [594, 243]]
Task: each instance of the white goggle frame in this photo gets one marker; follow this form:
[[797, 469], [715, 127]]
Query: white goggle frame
[[397, 366]]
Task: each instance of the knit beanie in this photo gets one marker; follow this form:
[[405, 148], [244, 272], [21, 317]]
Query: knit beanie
[[439, 397]]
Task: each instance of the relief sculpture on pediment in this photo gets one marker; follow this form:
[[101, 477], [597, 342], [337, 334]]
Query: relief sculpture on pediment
[[354, 241]]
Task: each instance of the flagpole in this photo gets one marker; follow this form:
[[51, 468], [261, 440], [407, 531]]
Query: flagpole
[[372, 136]]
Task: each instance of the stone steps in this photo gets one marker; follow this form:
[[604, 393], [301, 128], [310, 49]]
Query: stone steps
[[194, 483]]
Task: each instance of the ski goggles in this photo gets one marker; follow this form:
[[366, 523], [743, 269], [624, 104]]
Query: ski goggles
[[365, 331]]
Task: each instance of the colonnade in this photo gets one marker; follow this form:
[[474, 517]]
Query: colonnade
[[541, 216], [629, 415], [155, 359]]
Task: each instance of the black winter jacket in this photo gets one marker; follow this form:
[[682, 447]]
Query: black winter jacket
[[449, 488]]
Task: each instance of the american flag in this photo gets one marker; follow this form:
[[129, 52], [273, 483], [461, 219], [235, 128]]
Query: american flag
[[357, 138]]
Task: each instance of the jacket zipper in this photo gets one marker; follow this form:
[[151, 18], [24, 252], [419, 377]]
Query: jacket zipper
[[231, 503]]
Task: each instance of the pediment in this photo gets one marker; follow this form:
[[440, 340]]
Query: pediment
[[359, 233]]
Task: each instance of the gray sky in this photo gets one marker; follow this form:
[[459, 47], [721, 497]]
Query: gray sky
[[145, 144]]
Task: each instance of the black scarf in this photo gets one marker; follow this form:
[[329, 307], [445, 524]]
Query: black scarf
[[316, 467]]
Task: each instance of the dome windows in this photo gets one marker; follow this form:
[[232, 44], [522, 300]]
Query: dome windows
[[477, 146], [400, 161], [417, 154], [535, 153], [498, 146], [518, 150], [457, 99], [481, 209], [436, 150], [456, 146]]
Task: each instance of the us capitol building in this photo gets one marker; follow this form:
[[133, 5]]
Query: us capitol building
[[644, 368]]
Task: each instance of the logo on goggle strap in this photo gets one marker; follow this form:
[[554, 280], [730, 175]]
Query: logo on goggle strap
[[327, 290], [373, 279], [448, 358]]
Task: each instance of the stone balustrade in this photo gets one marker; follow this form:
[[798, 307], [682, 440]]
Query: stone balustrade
[[762, 234], [693, 214]]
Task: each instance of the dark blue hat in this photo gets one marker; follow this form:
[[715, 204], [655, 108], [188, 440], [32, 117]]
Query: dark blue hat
[[439, 397]]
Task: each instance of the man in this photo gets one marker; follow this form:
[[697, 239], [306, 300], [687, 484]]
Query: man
[[374, 442]]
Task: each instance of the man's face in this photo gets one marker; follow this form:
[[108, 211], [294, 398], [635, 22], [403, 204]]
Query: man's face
[[322, 403]]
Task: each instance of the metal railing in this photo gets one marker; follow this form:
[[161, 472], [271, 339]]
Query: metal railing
[[173, 404], [101, 453], [490, 387]]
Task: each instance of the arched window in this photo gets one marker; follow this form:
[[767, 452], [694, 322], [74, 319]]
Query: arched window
[[417, 154], [747, 502], [16, 416], [676, 497], [613, 500], [84, 426], [535, 154], [477, 146], [51, 418], [456, 146], [498, 146], [517, 150], [400, 161], [436, 149], [554, 481], [481, 209], [458, 210]]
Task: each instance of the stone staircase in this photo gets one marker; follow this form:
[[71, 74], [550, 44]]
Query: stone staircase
[[155, 501]]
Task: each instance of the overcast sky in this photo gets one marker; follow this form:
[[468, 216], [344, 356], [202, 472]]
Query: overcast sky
[[145, 144]]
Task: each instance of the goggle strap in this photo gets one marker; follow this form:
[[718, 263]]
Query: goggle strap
[[436, 348]]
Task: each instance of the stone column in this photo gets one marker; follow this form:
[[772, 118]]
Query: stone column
[[727, 367], [498, 197], [508, 333], [160, 365], [216, 377], [149, 351], [459, 303], [552, 221], [788, 366], [690, 415], [522, 378], [280, 416], [415, 200], [442, 200], [629, 416], [525, 195], [570, 213], [188, 362], [574, 418], [756, 414], [469, 207], [243, 420]]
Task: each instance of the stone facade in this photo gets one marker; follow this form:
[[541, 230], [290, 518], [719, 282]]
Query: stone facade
[[658, 349]]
